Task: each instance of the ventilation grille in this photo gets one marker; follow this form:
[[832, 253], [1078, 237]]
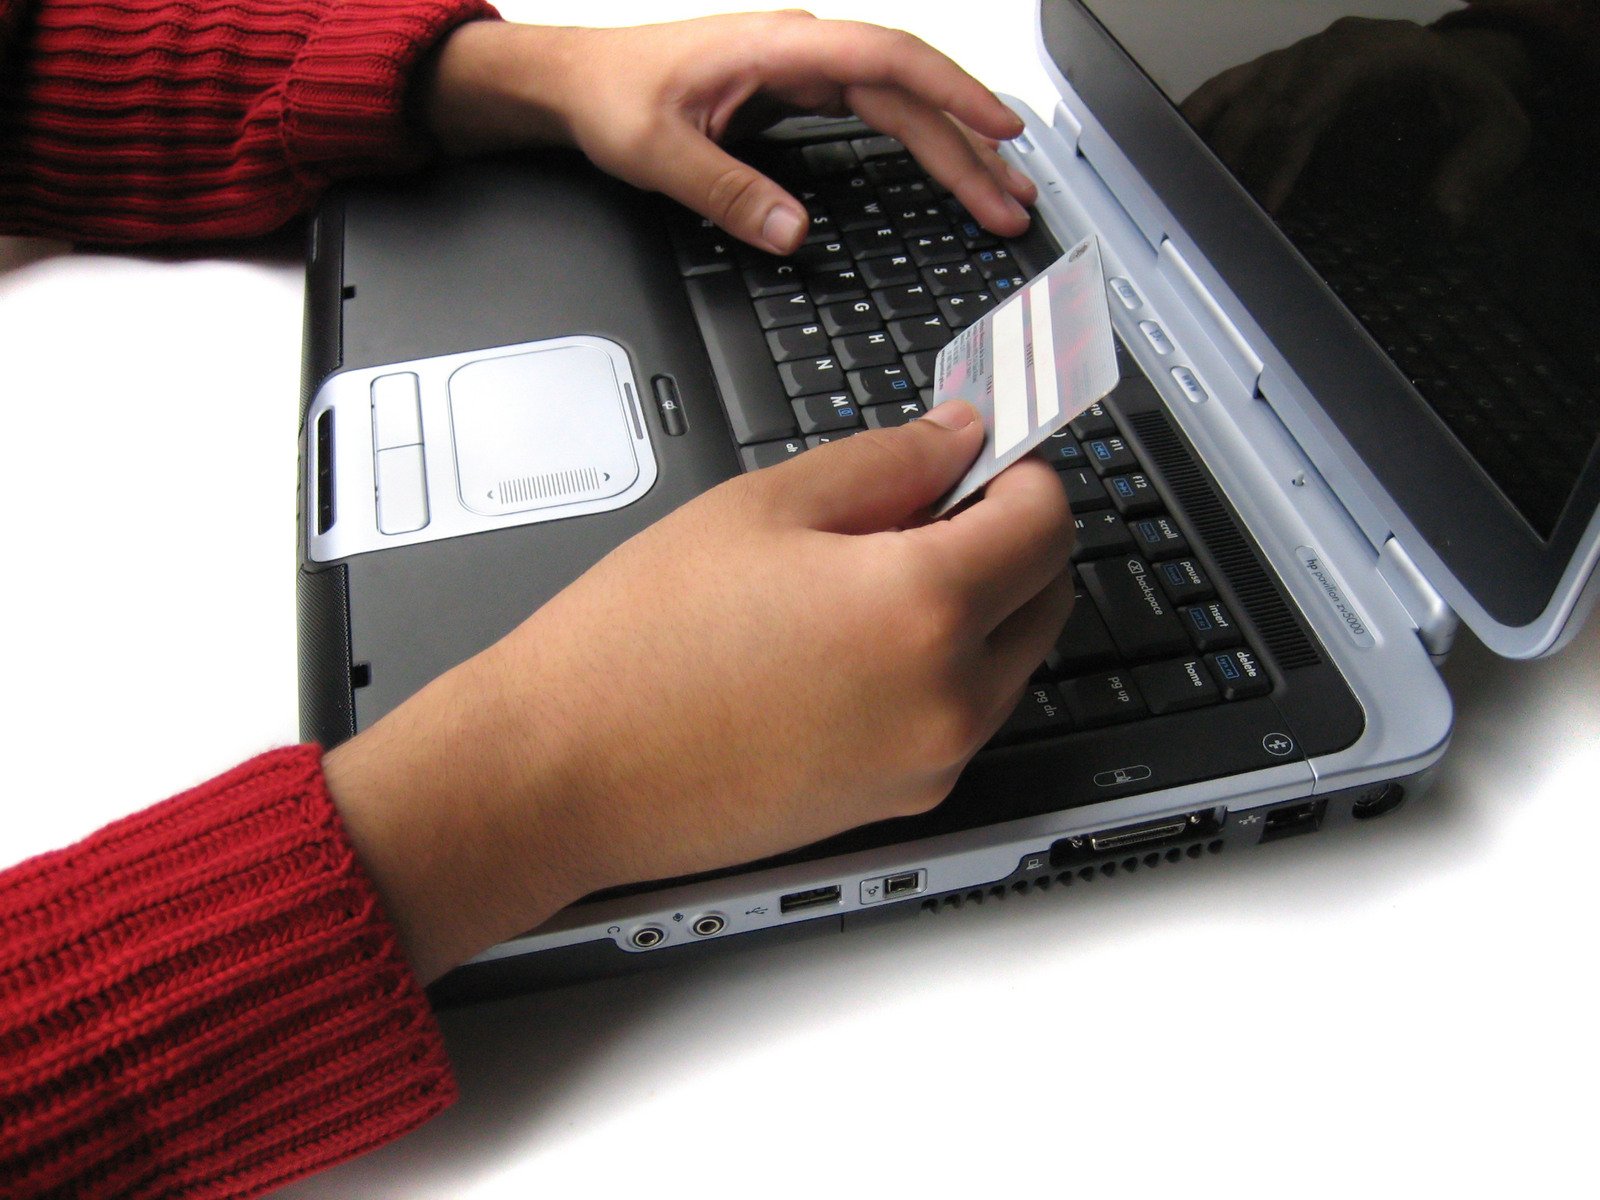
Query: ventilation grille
[[1084, 874], [544, 487], [1286, 641]]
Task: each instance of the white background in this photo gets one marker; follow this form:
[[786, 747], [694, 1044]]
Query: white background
[[1406, 1007]]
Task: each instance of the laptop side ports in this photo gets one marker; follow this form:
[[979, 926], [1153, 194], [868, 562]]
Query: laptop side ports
[[1144, 835], [1291, 820], [821, 897]]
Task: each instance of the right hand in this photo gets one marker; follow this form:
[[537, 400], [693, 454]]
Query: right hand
[[791, 654]]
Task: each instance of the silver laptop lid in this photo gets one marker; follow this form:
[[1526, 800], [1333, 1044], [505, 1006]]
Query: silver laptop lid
[[1393, 201]]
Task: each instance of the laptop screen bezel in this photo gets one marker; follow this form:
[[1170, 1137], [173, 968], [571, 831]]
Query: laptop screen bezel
[[1428, 482]]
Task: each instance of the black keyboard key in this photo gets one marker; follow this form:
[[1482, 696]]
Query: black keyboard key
[[858, 212], [1158, 536], [919, 333], [1238, 673], [850, 316], [1210, 625], [1103, 698], [908, 195], [880, 385], [1092, 422], [822, 439], [995, 263], [776, 311], [807, 375], [774, 278], [902, 169], [702, 247], [893, 270], [946, 279], [1100, 534], [973, 235], [1133, 494], [936, 248], [1085, 492], [824, 256], [1140, 617], [827, 412], [920, 366], [880, 239], [758, 410], [797, 341], [766, 454], [1184, 580], [1084, 643], [961, 311], [1110, 455], [865, 350], [1175, 686], [920, 221], [829, 158], [1041, 713], [1005, 286], [1064, 452], [829, 287], [886, 416], [877, 146], [912, 300]]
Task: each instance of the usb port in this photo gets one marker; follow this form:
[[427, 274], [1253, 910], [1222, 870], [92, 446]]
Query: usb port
[[902, 884], [1291, 820], [814, 898]]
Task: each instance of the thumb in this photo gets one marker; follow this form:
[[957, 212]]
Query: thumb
[[882, 479], [696, 172]]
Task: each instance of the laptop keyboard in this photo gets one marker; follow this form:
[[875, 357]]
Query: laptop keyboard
[[841, 337]]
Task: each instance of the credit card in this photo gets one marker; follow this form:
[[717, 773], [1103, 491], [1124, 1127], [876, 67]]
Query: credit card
[[1031, 364]]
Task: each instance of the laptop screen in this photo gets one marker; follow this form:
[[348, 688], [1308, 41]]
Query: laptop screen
[[1434, 166]]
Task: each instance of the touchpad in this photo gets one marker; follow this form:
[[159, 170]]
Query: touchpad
[[541, 429]]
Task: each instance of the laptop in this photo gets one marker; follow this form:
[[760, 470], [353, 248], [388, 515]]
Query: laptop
[[1343, 427]]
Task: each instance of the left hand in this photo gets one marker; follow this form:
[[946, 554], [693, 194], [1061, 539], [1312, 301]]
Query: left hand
[[650, 105]]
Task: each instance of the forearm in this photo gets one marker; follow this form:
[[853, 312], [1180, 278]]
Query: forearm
[[151, 122], [206, 996]]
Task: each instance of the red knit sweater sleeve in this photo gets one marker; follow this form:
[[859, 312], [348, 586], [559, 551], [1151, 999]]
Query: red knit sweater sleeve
[[125, 121], [205, 1000]]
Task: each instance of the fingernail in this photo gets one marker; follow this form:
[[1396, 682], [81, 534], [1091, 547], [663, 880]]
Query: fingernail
[[1019, 181], [782, 229], [952, 414], [1016, 208]]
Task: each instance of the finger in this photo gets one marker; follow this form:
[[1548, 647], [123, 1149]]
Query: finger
[[852, 52], [881, 480], [1003, 550], [1020, 642], [944, 150], [1013, 180], [698, 173]]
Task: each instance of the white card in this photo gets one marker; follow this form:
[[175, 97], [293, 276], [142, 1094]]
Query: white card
[[1032, 364]]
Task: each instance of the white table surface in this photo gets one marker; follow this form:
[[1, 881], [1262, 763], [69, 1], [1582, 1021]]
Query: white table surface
[[1404, 1007]]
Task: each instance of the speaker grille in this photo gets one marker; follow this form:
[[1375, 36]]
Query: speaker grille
[[544, 487], [1287, 642]]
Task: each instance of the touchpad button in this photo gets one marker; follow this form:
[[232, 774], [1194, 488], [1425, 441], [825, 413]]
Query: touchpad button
[[540, 430]]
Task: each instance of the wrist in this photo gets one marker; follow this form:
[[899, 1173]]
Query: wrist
[[462, 823], [495, 85]]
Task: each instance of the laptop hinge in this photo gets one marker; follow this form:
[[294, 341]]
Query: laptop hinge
[[1242, 359], [1067, 125], [1435, 620]]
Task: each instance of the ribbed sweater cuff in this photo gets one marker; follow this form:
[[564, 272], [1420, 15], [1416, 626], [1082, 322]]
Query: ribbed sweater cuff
[[345, 101], [205, 999]]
